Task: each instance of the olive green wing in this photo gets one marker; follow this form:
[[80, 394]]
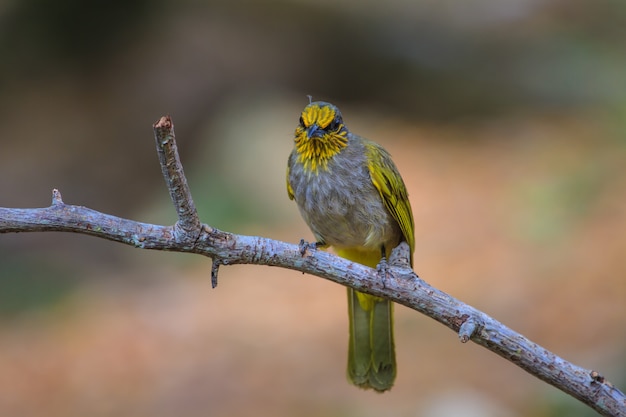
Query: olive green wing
[[389, 183], [289, 188]]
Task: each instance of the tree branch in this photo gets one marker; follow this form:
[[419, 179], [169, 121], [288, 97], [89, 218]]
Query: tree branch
[[401, 285]]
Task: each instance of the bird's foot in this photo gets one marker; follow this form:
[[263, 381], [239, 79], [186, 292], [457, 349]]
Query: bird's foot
[[305, 246]]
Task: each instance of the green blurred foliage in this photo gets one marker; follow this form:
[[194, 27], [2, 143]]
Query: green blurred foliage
[[28, 285]]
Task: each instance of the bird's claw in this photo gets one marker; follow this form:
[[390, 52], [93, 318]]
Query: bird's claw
[[305, 246]]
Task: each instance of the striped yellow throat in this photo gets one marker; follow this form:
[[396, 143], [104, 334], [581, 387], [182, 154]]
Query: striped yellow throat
[[352, 197]]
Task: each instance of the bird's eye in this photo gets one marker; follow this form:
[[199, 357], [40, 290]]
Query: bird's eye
[[334, 125], [301, 121]]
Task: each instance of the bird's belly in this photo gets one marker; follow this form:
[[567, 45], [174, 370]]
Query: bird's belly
[[342, 219]]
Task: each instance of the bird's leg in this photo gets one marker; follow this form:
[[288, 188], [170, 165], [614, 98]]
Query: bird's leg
[[383, 267]]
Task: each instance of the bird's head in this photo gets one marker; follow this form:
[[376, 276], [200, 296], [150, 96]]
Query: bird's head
[[320, 135]]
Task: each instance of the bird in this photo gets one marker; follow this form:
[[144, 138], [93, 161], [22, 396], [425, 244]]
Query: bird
[[351, 195]]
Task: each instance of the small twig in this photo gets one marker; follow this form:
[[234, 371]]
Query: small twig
[[402, 284], [174, 175], [56, 197], [467, 329], [215, 267]]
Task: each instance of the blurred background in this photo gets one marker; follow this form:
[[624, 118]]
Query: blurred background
[[507, 120]]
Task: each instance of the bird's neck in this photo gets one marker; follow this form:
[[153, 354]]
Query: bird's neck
[[315, 152]]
